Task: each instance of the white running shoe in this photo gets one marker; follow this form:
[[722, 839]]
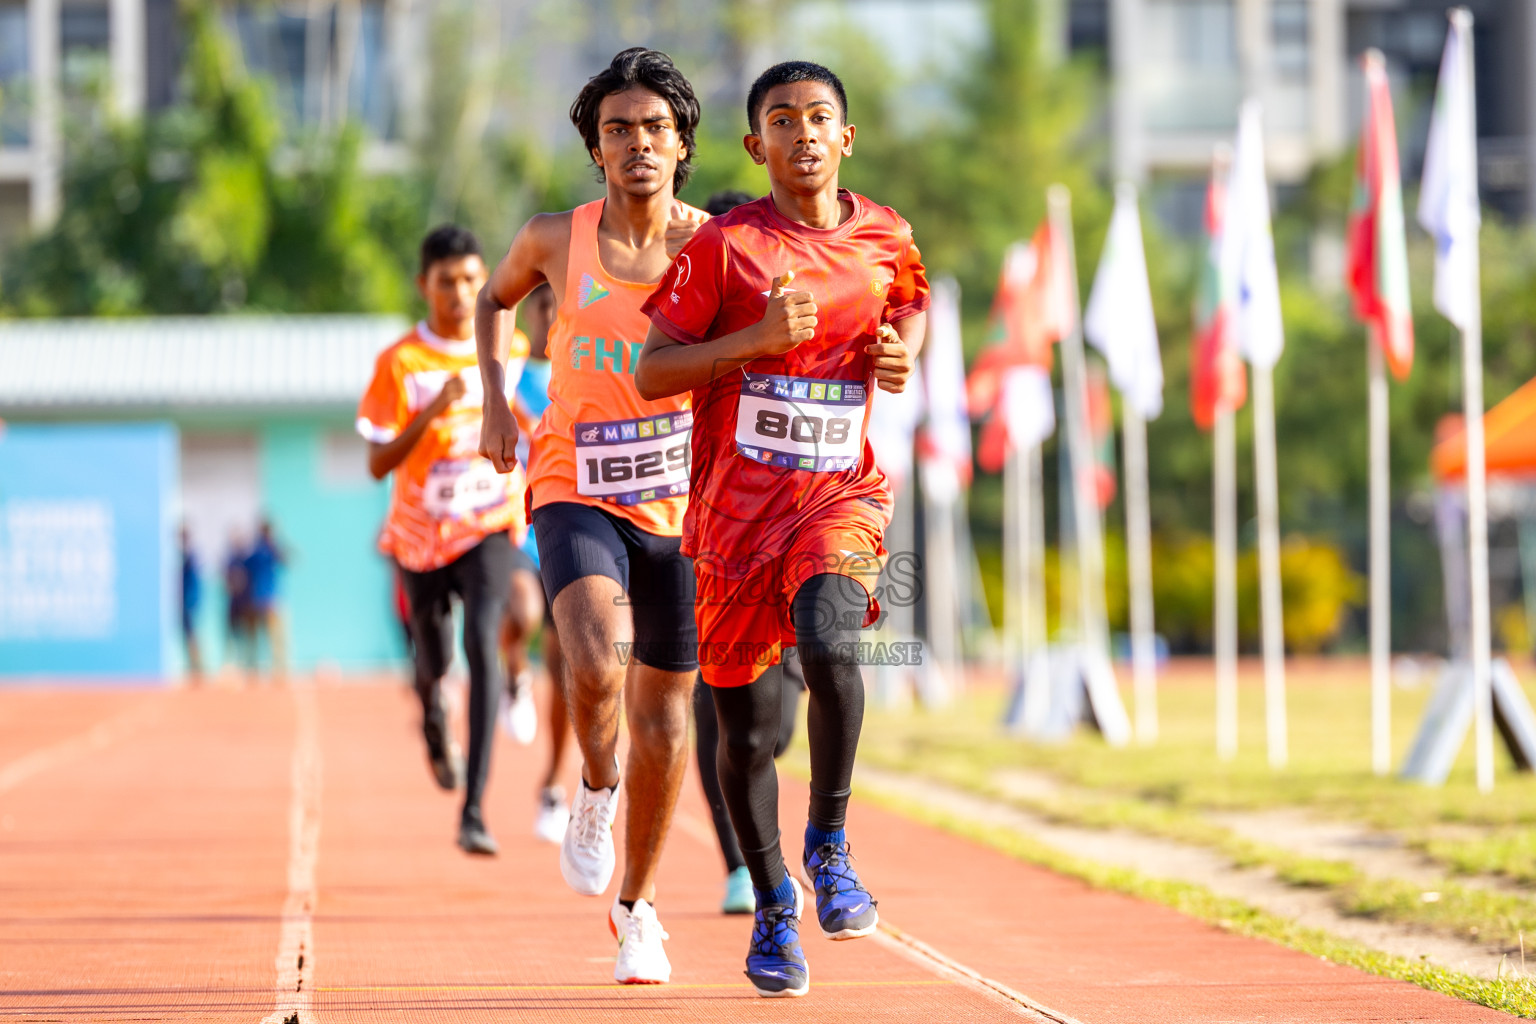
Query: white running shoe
[[586, 852], [521, 717], [642, 960], [553, 815]]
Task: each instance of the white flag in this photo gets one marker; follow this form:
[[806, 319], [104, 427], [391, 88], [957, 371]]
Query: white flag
[[893, 420], [1029, 405], [1119, 321], [947, 429], [1448, 204], [1247, 255]]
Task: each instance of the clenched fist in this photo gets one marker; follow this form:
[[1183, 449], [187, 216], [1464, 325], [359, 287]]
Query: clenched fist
[[789, 319], [452, 391], [498, 436], [891, 360], [685, 221]]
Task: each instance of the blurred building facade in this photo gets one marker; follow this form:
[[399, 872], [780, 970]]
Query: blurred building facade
[[64, 60], [260, 411], [1180, 69]]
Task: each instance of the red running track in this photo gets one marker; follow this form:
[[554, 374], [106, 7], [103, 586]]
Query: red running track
[[172, 855]]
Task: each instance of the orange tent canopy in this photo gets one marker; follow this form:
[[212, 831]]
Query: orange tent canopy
[[1509, 435]]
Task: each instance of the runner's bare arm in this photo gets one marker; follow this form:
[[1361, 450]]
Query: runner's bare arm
[[668, 368], [527, 264], [384, 456], [893, 356]]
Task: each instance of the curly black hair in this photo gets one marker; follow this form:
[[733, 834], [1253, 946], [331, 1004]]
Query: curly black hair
[[726, 200], [786, 73], [447, 242], [650, 69]]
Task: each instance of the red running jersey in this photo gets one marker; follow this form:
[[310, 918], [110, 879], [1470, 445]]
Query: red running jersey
[[784, 439]]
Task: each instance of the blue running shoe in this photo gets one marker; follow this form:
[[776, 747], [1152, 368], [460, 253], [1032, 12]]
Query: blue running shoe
[[775, 962], [843, 906]]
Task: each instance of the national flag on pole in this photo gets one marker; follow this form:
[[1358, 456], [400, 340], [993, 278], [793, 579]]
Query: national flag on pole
[[1101, 434], [1119, 321], [1033, 309], [1250, 282], [1448, 202], [893, 422], [946, 433], [1025, 415], [1217, 380], [1377, 260]]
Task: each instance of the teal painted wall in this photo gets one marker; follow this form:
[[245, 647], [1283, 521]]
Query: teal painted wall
[[336, 592]]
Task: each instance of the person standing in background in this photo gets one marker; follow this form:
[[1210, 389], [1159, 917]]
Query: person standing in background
[[262, 564], [191, 595], [237, 622]]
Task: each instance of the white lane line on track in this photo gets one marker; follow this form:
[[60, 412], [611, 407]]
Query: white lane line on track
[[915, 949], [922, 954], [295, 960], [100, 735]]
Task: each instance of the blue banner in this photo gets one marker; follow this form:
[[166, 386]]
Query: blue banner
[[89, 582]]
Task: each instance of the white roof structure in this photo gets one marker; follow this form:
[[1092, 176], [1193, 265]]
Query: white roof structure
[[190, 361]]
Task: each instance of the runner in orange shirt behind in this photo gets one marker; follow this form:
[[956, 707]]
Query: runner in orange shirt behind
[[454, 521]]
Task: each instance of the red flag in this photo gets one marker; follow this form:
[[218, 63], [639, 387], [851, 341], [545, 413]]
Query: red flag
[[1217, 380], [1101, 431], [1033, 309], [1377, 258]]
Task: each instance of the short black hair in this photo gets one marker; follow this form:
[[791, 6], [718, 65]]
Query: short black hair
[[786, 73], [447, 242], [726, 200], [650, 69]]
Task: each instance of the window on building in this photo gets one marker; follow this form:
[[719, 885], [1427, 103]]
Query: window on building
[[1190, 69], [327, 63], [15, 102], [85, 59], [1291, 64]]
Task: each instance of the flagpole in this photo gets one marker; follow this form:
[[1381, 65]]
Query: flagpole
[[1138, 540], [1016, 598], [1036, 623], [1085, 507], [941, 550], [1477, 513], [1271, 610], [1381, 588], [1225, 443], [1477, 476]]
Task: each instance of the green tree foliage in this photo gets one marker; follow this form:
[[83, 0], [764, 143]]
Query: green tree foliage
[[186, 212]]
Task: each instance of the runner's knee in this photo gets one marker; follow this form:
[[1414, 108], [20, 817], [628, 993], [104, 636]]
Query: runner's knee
[[828, 613]]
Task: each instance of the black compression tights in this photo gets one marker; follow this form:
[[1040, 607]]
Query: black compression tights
[[828, 612], [708, 726]]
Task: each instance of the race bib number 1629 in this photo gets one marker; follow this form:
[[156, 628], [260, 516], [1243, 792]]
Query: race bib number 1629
[[631, 461]]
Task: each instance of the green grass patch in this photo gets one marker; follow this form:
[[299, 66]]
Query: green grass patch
[[1329, 772], [1516, 996]]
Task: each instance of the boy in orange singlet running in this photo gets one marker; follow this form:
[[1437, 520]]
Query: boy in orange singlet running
[[608, 480], [788, 508], [453, 521]]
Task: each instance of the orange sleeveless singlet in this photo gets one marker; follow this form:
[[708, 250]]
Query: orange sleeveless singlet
[[599, 443]]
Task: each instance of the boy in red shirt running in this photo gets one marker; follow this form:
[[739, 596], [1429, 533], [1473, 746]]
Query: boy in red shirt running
[[787, 508]]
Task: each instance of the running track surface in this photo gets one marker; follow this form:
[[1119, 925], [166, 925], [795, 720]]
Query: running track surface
[[169, 855]]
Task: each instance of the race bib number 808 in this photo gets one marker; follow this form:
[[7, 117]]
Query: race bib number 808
[[801, 423], [631, 461]]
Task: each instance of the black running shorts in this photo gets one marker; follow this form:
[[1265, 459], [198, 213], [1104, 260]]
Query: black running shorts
[[578, 540]]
